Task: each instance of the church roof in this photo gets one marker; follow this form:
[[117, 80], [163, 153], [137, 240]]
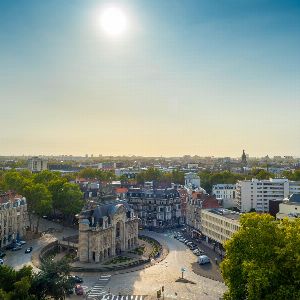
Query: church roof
[[106, 210]]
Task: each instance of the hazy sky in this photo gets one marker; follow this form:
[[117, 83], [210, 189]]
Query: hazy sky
[[206, 77]]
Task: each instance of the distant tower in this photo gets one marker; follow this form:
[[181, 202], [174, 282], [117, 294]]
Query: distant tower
[[244, 160]]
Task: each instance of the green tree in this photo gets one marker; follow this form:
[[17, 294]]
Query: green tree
[[52, 280], [39, 201], [263, 259], [46, 176], [14, 181], [16, 285], [67, 198]]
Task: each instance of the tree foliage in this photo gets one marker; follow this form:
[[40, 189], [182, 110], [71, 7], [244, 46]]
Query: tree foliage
[[153, 174], [16, 285], [44, 191], [52, 280], [102, 175], [263, 259]]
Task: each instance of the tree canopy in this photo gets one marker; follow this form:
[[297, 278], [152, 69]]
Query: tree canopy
[[45, 192], [153, 174], [263, 259], [52, 281]]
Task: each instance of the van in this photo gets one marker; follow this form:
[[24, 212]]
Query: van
[[203, 259]]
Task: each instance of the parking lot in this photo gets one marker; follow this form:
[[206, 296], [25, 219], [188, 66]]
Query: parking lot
[[210, 270]]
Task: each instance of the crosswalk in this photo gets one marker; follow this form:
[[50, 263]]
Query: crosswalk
[[98, 290], [126, 297]]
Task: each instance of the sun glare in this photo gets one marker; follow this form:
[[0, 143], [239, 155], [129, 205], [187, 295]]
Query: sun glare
[[113, 21]]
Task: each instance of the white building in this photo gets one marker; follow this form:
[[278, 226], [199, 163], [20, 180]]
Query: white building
[[225, 194], [37, 164], [290, 208], [256, 194], [219, 224], [192, 180]]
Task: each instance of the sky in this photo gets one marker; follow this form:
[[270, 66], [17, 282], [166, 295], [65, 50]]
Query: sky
[[203, 77]]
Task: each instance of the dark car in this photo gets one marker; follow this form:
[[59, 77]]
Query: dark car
[[76, 279], [10, 246], [28, 250], [16, 248], [2, 254]]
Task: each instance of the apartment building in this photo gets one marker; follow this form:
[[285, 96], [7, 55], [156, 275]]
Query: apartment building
[[192, 180], [225, 194], [219, 224], [156, 208], [37, 164], [255, 194], [13, 217]]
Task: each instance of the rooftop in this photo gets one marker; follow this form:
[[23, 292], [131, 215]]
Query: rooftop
[[229, 214]]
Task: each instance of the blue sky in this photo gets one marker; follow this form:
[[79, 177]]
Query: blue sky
[[188, 77]]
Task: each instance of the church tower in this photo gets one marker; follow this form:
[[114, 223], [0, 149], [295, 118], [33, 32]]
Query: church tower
[[244, 160]]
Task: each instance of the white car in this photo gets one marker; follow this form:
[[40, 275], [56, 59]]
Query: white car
[[203, 259], [22, 242], [1, 261]]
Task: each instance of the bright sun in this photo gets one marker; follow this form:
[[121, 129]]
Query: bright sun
[[113, 21]]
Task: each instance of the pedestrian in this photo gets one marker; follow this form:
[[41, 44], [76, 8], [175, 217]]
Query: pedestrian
[[216, 260]]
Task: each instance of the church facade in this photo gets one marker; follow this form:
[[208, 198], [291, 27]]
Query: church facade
[[106, 231]]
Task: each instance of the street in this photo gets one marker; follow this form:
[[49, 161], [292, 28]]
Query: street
[[166, 273], [142, 282]]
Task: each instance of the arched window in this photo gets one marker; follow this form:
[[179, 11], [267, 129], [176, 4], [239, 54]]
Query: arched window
[[118, 228]]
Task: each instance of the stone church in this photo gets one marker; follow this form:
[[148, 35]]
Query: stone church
[[106, 230]]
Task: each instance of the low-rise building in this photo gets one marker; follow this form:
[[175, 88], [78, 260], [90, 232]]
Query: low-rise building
[[219, 224], [289, 208], [156, 208], [13, 218]]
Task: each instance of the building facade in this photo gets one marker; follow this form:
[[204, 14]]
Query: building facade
[[156, 208], [37, 164], [106, 230], [289, 208], [196, 203], [13, 218], [192, 180], [219, 224], [225, 194], [255, 194]]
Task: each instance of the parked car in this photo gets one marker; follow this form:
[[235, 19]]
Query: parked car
[[16, 248], [1, 261], [2, 254], [78, 290], [76, 279], [10, 246], [203, 259], [22, 243], [28, 250]]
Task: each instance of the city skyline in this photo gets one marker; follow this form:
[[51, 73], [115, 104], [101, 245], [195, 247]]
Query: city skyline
[[184, 78]]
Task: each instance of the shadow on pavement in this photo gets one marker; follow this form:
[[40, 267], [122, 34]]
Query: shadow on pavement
[[184, 280]]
